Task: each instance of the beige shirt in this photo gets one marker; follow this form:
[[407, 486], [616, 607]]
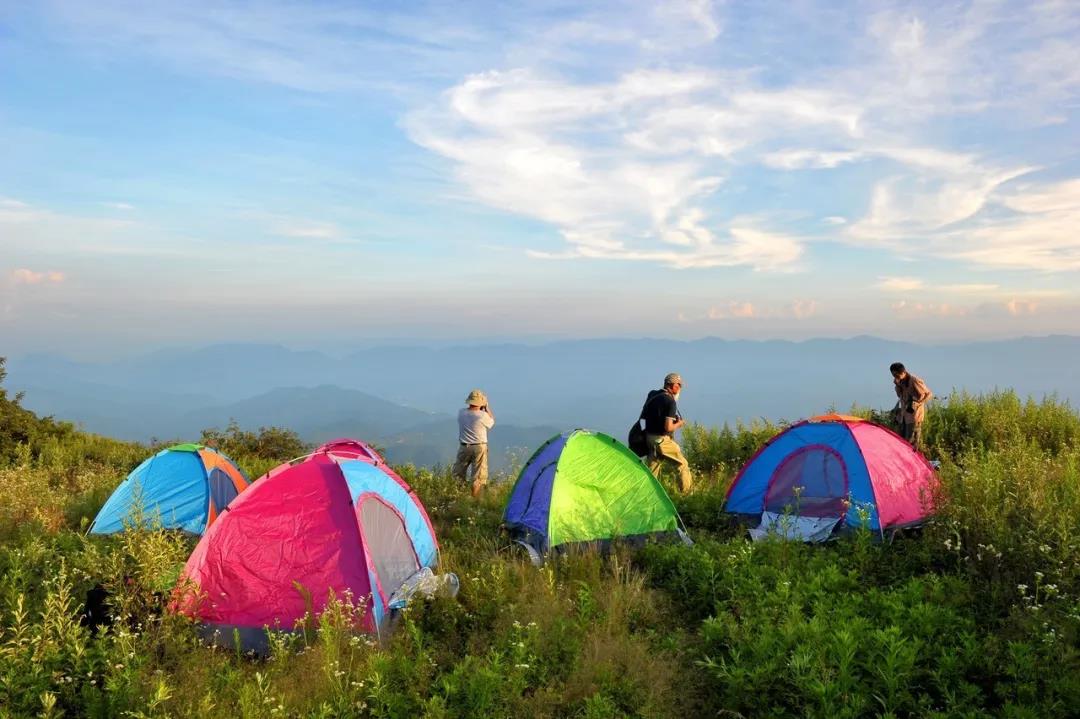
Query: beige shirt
[[914, 390], [473, 426]]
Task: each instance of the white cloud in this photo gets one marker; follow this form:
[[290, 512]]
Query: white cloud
[[628, 165], [31, 227], [808, 159], [971, 288], [908, 309], [1017, 308], [123, 206], [1041, 199], [746, 310], [900, 284], [802, 309], [308, 230], [621, 168], [738, 310], [623, 125], [1039, 234], [23, 276]]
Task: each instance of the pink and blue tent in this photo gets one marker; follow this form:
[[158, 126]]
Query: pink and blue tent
[[832, 473], [336, 522], [346, 448]]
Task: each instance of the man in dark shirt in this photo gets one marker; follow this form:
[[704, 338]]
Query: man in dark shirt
[[662, 419]]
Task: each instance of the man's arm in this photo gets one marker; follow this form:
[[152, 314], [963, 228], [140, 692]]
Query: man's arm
[[671, 424], [489, 421], [922, 392]]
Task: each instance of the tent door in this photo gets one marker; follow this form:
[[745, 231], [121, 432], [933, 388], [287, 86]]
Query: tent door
[[811, 482], [390, 551], [222, 489]]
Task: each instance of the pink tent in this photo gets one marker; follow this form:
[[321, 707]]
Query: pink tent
[[338, 522]]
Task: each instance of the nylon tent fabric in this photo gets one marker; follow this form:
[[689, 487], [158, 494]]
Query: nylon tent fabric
[[582, 487], [370, 480], [183, 487], [530, 499], [320, 527], [391, 557], [884, 479], [350, 449], [747, 493], [902, 478], [296, 527], [602, 490]]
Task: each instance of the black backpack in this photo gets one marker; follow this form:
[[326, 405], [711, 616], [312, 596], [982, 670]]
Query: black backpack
[[636, 439]]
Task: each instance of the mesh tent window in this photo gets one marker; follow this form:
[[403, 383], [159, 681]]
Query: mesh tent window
[[811, 482], [390, 551]]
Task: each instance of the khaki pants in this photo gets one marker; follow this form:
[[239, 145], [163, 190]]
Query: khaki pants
[[663, 450], [476, 456], [912, 432]]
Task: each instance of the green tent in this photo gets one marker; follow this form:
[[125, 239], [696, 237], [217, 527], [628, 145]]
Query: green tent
[[587, 487]]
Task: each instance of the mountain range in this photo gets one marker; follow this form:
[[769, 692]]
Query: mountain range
[[405, 397]]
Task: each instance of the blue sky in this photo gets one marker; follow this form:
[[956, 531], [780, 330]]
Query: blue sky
[[312, 173]]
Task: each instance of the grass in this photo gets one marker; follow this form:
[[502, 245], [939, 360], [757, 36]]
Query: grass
[[975, 615]]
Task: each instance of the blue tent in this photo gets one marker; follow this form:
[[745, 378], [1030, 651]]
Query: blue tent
[[831, 473], [184, 487]]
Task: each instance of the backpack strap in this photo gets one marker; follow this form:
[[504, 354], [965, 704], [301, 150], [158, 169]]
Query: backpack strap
[[646, 405]]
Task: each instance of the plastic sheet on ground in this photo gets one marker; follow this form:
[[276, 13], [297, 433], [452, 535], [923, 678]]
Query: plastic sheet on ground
[[789, 526], [426, 583]]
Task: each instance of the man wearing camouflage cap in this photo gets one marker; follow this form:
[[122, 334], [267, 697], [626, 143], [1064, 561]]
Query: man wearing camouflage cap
[[474, 421], [662, 419]]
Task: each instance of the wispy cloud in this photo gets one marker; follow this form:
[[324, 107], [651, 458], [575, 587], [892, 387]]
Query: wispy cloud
[[900, 284], [832, 141], [904, 308], [24, 226], [971, 288], [528, 144], [308, 230], [915, 284], [618, 165], [1017, 308], [23, 276], [738, 310], [746, 310]]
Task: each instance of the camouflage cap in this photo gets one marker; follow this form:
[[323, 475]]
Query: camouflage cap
[[476, 398], [672, 378]]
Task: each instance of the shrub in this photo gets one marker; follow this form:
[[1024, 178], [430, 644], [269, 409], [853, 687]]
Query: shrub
[[269, 443], [977, 614]]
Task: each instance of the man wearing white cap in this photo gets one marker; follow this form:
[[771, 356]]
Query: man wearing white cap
[[662, 418], [474, 421]]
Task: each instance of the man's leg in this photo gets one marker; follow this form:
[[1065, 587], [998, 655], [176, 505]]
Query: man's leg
[[480, 469], [916, 436], [907, 431], [672, 452], [655, 460], [461, 464]]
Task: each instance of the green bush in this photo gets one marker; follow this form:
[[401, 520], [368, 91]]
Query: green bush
[[976, 614], [725, 450], [269, 443], [22, 433], [998, 420]]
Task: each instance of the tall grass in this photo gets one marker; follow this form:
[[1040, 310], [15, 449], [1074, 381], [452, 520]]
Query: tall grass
[[977, 614]]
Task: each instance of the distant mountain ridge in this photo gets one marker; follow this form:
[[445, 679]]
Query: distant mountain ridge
[[408, 395]]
